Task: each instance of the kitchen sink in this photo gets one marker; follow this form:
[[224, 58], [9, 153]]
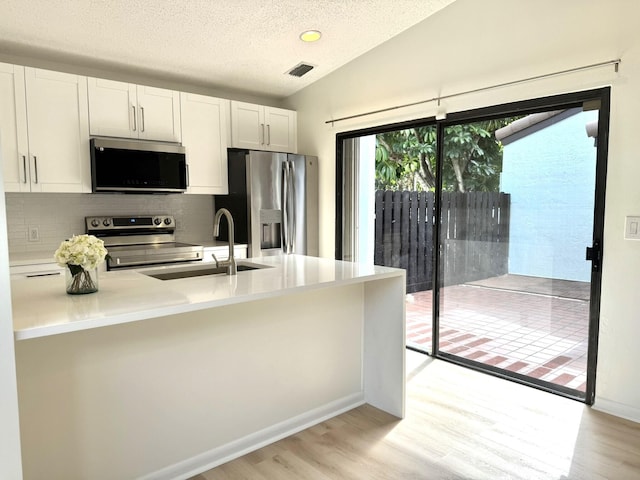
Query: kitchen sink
[[199, 272]]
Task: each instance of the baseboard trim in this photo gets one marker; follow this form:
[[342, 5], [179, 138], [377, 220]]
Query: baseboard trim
[[618, 409], [219, 455]]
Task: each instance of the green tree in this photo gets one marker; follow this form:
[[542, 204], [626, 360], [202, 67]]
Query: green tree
[[406, 159]]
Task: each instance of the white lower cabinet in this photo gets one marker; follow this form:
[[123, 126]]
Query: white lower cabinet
[[205, 130], [44, 130]]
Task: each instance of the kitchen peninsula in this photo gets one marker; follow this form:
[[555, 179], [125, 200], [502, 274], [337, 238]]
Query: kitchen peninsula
[[161, 379]]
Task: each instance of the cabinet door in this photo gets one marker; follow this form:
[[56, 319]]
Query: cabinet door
[[247, 126], [159, 115], [112, 108], [58, 127], [14, 147], [281, 130], [204, 136]]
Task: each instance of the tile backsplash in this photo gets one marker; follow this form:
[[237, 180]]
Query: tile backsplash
[[60, 215]]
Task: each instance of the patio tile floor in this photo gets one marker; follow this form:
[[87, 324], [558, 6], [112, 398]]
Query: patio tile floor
[[538, 334]]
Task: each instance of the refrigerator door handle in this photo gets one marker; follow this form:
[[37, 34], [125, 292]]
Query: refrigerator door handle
[[285, 196], [292, 212]]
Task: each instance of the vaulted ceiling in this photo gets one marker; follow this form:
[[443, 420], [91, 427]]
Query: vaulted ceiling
[[241, 45]]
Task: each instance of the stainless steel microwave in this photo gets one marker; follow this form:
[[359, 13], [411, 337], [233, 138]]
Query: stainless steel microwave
[[135, 166]]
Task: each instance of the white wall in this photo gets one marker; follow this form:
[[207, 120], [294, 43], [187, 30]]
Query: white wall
[[10, 461], [472, 44]]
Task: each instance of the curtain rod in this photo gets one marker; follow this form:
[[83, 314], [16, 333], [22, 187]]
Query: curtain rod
[[615, 62]]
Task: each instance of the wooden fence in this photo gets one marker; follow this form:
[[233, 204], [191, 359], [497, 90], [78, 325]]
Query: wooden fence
[[474, 232]]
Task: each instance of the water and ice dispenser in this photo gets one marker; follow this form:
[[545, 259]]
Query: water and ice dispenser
[[270, 229]]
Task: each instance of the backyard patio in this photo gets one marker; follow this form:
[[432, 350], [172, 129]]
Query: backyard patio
[[533, 326]]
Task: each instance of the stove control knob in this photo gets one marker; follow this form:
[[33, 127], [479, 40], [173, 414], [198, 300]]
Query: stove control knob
[[106, 222], [167, 221], [157, 221], [95, 222]]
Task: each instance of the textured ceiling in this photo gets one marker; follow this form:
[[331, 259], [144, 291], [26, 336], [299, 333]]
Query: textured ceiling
[[243, 45]]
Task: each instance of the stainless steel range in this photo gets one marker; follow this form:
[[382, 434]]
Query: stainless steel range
[[137, 240]]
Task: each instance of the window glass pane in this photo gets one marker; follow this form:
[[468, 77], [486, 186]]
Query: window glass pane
[[517, 214]]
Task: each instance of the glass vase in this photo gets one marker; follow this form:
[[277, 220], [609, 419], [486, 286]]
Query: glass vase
[[80, 281]]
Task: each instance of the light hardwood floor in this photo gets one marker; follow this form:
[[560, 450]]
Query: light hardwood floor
[[460, 424]]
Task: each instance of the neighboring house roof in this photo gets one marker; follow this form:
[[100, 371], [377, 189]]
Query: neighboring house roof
[[532, 123]]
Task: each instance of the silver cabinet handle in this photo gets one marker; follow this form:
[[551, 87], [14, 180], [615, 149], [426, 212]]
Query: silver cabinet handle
[[24, 168], [35, 164], [187, 165], [268, 134], [142, 119], [47, 274], [135, 123]]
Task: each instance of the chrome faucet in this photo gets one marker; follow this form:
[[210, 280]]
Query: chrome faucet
[[232, 269]]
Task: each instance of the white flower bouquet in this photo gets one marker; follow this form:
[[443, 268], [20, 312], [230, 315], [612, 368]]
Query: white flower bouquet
[[81, 254]]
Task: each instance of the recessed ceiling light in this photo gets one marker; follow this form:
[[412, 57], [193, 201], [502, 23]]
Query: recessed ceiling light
[[310, 36]]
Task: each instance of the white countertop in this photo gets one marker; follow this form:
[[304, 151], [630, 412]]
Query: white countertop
[[41, 306]]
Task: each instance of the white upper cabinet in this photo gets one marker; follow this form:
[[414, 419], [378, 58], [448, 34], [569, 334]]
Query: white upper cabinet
[[159, 114], [258, 127], [205, 127], [58, 131], [45, 135], [112, 108], [247, 126], [14, 142], [118, 109], [281, 130]]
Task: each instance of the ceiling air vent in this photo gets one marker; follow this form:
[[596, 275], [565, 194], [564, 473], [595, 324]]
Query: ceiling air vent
[[300, 69]]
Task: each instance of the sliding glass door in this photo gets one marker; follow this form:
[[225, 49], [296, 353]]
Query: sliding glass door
[[386, 180], [497, 217], [520, 251]]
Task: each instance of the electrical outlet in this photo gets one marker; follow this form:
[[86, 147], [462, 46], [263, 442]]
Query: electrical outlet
[[34, 234], [632, 228]]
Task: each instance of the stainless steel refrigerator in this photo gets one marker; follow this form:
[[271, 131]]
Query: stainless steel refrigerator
[[273, 198]]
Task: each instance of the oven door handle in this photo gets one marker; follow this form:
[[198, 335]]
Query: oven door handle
[[117, 261]]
